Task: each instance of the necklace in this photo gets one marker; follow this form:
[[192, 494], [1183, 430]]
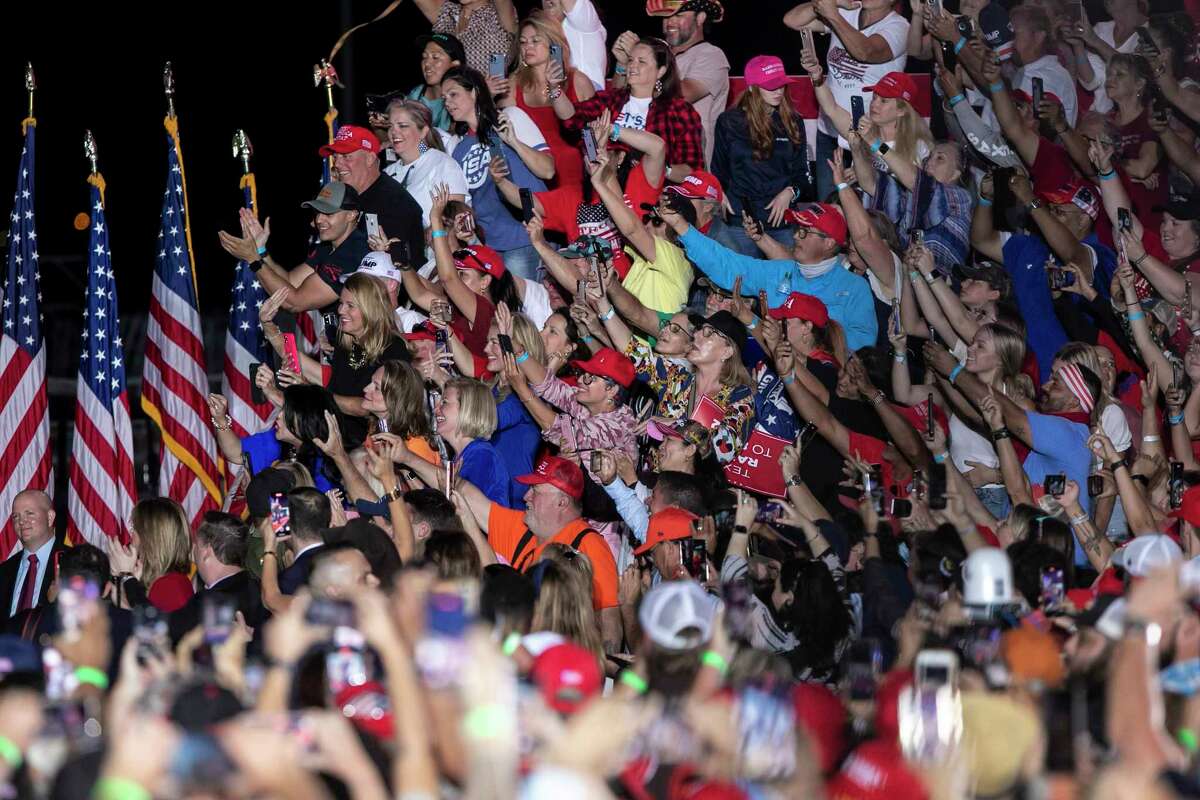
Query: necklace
[[357, 358]]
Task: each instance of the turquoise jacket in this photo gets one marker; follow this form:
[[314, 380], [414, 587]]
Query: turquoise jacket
[[847, 296]]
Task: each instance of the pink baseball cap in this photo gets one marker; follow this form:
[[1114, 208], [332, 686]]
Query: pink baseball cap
[[766, 72]]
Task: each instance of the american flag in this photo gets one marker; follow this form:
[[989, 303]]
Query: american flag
[[244, 343], [102, 490], [25, 460], [175, 379]]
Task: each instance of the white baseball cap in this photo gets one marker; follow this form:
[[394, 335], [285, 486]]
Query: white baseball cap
[[1147, 553], [678, 615], [377, 264]]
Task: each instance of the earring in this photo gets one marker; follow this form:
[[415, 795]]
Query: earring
[[658, 87], [422, 148]]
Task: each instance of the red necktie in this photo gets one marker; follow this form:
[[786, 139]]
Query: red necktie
[[27, 599]]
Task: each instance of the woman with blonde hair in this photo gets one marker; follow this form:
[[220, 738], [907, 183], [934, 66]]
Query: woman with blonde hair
[[157, 562], [366, 337], [760, 156], [517, 435], [564, 604], [466, 418], [422, 164], [537, 81]]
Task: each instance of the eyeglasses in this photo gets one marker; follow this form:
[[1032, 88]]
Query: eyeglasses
[[587, 379], [668, 326], [803, 232]]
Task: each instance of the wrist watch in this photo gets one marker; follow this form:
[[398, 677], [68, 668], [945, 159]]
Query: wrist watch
[[1150, 631], [795, 480], [1034, 205]]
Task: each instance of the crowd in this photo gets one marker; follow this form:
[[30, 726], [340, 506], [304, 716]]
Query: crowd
[[649, 449]]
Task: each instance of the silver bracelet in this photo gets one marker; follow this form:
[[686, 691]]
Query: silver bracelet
[[1151, 439], [1079, 520]]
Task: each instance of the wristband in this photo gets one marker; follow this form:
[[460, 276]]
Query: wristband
[[269, 553], [1079, 520], [1107, 176], [1187, 738], [875, 145], [1151, 439], [10, 753], [92, 677], [713, 659], [900, 358], [983, 201], [789, 379], [619, 70], [586, 339], [958, 98], [487, 722], [1137, 262], [607, 315], [1176, 420], [438, 234], [954, 373], [119, 789], [634, 681], [842, 185], [878, 398], [752, 324], [1195, 331], [262, 251], [1114, 466], [615, 133], [255, 266], [940, 458], [914, 276], [998, 86], [1001, 433], [1135, 316], [959, 45], [511, 643], [931, 278], [521, 359]]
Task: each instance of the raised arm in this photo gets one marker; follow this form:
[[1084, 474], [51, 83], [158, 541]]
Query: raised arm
[[903, 434], [455, 289], [540, 162], [1024, 140], [604, 182], [813, 410], [839, 116], [866, 239], [984, 236], [1015, 417], [1063, 243], [873, 49], [1148, 349]]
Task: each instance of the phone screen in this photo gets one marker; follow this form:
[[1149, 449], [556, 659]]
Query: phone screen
[[496, 67], [281, 516], [526, 204], [589, 144]]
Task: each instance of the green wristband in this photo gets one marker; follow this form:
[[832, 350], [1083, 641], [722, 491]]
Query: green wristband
[[1187, 738], [119, 789], [92, 677], [487, 722], [634, 681], [511, 643], [716, 661], [10, 753]]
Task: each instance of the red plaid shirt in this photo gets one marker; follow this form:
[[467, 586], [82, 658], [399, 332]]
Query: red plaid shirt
[[674, 120]]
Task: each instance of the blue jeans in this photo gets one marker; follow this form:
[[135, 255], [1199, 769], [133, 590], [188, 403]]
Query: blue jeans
[[995, 500], [524, 261], [734, 237]]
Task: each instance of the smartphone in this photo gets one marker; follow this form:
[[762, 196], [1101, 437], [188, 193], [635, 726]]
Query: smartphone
[[1039, 93], [966, 27], [506, 345], [949, 57], [291, 353], [256, 393], [873, 485], [1159, 109], [597, 461], [218, 616], [372, 221], [766, 732], [1177, 485], [937, 486], [900, 508], [864, 662], [1146, 43], [589, 145], [805, 436], [345, 665], [526, 204], [327, 612], [78, 601], [1074, 12], [281, 516], [497, 66], [894, 319], [769, 513], [693, 554], [930, 711], [806, 42], [330, 321], [935, 669], [929, 420], [556, 55], [857, 109], [1095, 485], [150, 631], [1124, 219], [1053, 592], [1055, 485], [747, 209], [1060, 278]]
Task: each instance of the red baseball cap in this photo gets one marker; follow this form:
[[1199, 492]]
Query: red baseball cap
[[367, 706], [425, 332], [568, 676], [669, 525], [823, 717], [766, 72], [802, 306], [480, 258], [825, 217], [608, 363], [350, 139], [876, 770], [560, 473], [1078, 193], [896, 85], [700, 185]]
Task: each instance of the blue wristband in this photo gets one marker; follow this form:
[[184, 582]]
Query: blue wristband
[[960, 44], [983, 201], [998, 86], [752, 324], [615, 135], [619, 70], [521, 359], [1175, 420], [955, 372], [1135, 316], [262, 251], [958, 98], [788, 379], [586, 339], [438, 235], [875, 145], [1107, 176], [940, 458]]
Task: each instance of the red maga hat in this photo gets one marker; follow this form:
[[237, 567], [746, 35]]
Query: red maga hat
[[560, 473], [351, 139]]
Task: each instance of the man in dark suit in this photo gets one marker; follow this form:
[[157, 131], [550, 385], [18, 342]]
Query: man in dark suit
[[310, 513], [219, 550], [25, 578]]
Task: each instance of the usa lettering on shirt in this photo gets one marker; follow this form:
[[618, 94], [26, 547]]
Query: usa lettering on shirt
[[475, 165], [844, 67]]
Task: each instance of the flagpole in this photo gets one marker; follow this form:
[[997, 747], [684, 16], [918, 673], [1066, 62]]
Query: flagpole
[[30, 86], [172, 125], [325, 74], [242, 150]]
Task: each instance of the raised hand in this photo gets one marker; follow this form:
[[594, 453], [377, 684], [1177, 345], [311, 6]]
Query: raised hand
[[332, 444], [275, 302], [439, 197], [218, 406]]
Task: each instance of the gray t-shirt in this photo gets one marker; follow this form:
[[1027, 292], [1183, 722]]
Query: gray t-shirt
[[706, 64]]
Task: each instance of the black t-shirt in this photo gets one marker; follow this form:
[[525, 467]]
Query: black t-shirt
[[332, 265], [350, 382], [399, 216]]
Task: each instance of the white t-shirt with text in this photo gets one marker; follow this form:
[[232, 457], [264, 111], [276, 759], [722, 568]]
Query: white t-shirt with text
[[848, 75]]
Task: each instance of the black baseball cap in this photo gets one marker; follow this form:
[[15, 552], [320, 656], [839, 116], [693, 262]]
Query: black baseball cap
[[448, 42], [1185, 209], [990, 273], [727, 325]]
